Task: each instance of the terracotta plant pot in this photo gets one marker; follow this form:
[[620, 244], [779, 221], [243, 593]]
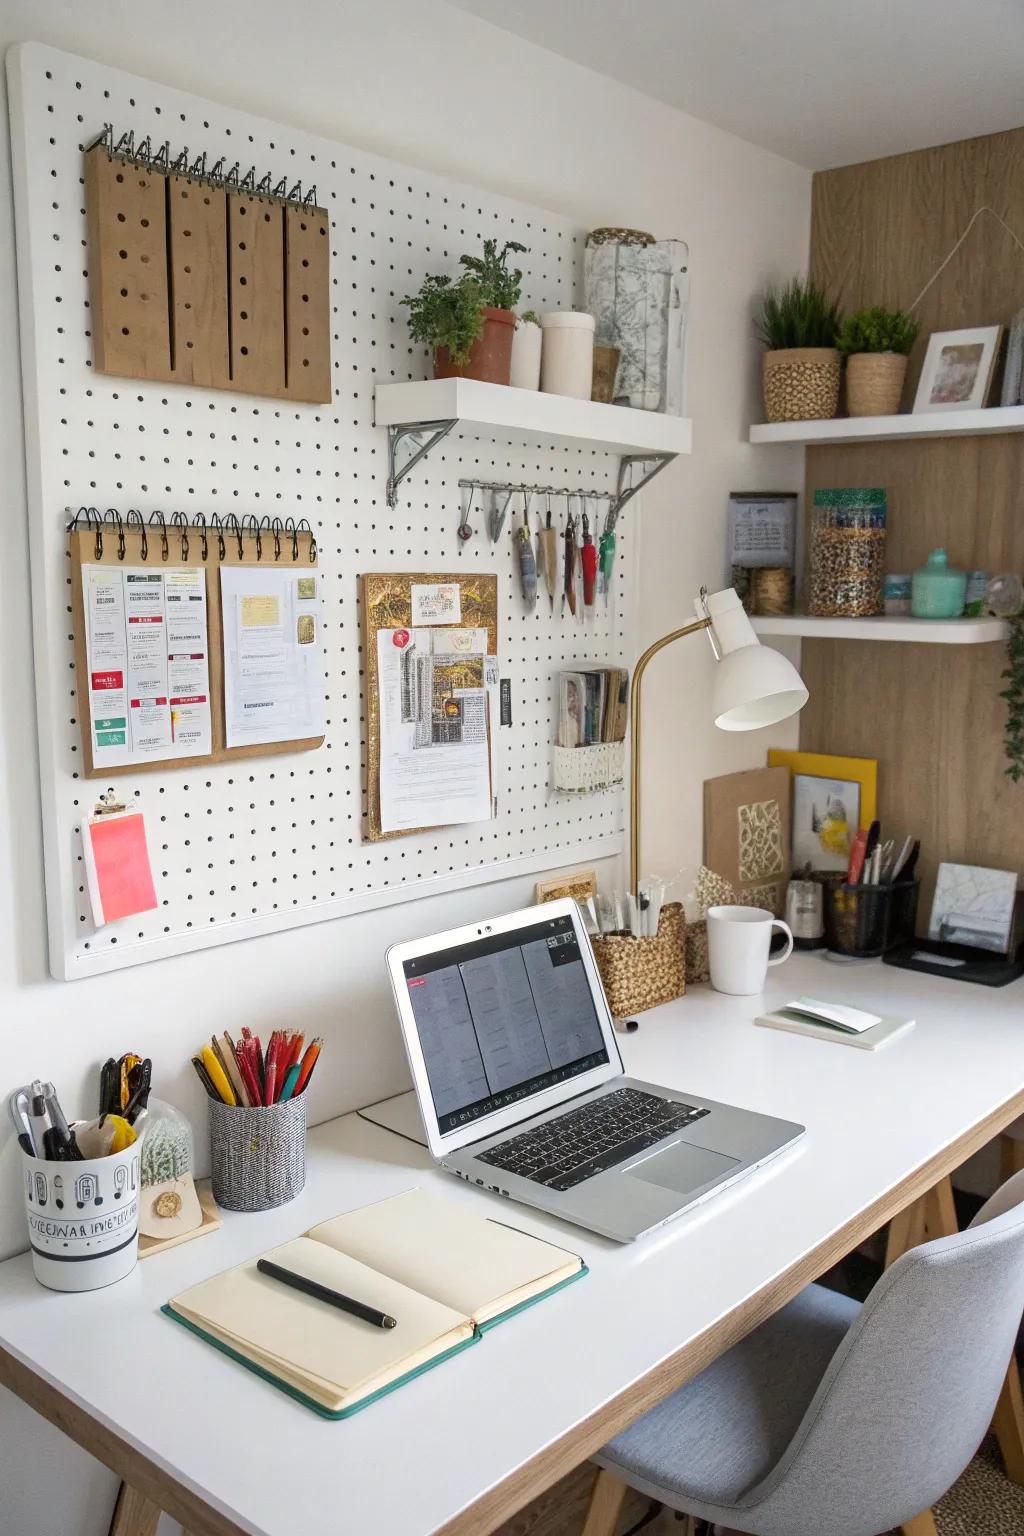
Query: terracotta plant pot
[[874, 383], [490, 357], [801, 384]]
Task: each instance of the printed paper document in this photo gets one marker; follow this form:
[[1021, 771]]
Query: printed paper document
[[273, 655]]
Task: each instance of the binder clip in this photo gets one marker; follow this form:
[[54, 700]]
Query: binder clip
[[108, 805]]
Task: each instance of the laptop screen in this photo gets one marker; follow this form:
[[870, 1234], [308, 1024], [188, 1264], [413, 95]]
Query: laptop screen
[[502, 1018]]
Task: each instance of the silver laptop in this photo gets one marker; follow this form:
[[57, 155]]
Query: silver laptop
[[521, 1087]]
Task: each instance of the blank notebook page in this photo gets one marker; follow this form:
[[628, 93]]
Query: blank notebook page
[[310, 1338], [438, 1248]]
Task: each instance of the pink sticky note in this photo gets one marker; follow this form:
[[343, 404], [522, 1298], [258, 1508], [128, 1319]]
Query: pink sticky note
[[118, 872]]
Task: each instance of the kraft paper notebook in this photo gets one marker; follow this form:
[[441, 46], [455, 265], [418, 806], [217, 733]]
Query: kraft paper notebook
[[446, 1275]]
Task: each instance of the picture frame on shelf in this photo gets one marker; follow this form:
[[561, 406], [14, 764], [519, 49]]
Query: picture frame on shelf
[[833, 798], [958, 369]]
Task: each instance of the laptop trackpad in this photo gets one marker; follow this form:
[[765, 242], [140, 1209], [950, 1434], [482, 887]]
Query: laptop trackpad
[[682, 1167]]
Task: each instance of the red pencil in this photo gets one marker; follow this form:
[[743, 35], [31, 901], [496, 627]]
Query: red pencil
[[249, 1077], [294, 1051]]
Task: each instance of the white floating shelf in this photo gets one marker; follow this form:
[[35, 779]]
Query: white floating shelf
[[917, 631], [497, 407], [877, 429]]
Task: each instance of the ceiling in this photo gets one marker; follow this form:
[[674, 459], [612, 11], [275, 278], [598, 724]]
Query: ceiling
[[822, 82]]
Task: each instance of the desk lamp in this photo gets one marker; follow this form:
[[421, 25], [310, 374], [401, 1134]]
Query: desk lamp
[[753, 687]]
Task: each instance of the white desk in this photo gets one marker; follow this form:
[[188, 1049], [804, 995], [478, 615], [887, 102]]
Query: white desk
[[463, 1447]]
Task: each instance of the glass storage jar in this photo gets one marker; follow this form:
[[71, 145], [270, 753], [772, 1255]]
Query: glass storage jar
[[846, 567]]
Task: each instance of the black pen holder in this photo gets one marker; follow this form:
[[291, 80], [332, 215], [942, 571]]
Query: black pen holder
[[258, 1155], [863, 921]]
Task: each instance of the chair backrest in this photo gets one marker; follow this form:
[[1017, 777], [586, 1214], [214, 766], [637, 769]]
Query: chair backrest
[[910, 1393]]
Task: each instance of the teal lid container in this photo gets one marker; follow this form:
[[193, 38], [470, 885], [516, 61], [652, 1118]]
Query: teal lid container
[[937, 591]]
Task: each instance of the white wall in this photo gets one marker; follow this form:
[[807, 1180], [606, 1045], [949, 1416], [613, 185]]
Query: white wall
[[424, 83]]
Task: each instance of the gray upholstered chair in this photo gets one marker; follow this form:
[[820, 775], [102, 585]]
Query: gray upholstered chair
[[835, 1419]]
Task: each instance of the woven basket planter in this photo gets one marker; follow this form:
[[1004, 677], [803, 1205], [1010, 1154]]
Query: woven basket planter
[[874, 383], [641, 973], [801, 384]]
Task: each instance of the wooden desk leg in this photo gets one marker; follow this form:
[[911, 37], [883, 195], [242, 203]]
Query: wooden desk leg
[[906, 1230], [921, 1525], [605, 1504], [134, 1514], [1011, 1156], [1008, 1424]]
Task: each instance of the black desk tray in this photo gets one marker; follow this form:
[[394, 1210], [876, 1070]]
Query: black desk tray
[[957, 962]]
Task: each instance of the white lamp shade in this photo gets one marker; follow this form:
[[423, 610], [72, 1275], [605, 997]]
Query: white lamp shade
[[755, 686]]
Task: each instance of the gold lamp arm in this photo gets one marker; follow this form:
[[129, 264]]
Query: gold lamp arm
[[634, 726]]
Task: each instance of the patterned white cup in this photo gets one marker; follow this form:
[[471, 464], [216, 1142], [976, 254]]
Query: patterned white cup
[[83, 1219]]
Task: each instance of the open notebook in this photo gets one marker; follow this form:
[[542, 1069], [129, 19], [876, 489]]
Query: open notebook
[[444, 1274]]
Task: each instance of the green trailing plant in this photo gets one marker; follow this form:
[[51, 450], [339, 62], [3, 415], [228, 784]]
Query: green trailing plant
[[500, 287], [530, 317], [1013, 693], [798, 315], [877, 330], [448, 313]]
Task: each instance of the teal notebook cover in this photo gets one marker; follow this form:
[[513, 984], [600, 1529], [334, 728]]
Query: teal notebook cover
[[392, 1386]]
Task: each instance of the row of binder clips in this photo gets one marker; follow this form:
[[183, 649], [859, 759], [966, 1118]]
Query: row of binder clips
[[277, 532], [219, 174]]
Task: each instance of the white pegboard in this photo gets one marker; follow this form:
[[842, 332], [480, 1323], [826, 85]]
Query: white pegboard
[[249, 847]]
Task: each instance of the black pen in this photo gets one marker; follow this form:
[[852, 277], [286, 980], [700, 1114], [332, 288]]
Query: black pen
[[324, 1293]]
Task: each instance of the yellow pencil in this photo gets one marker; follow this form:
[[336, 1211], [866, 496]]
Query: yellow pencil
[[218, 1076]]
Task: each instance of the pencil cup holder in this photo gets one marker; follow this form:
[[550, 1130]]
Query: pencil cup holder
[[258, 1155], [83, 1219], [863, 921], [641, 973]]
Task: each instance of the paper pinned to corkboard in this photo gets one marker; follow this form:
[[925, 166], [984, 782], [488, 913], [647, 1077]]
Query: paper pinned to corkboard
[[386, 601]]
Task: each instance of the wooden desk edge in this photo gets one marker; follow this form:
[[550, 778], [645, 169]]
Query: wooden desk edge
[[505, 1498]]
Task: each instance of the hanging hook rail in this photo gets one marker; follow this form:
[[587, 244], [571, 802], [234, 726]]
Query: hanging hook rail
[[517, 487]]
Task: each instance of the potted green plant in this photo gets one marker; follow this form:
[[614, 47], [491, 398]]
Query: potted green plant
[[468, 321], [798, 325], [526, 345], [875, 343]]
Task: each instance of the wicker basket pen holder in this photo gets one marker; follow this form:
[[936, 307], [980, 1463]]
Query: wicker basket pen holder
[[641, 973], [258, 1155]]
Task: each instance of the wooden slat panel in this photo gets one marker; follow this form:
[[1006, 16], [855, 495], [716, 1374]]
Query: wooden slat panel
[[199, 283], [256, 294], [932, 714], [308, 303], [127, 268]]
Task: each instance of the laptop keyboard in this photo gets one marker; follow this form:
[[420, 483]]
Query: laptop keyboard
[[565, 1151]]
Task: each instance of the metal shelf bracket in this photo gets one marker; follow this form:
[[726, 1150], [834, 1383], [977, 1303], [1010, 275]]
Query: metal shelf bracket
[[651, 463], [414, 431]]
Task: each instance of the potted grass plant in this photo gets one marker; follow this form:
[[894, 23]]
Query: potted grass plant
[[798, 325], [468, 321], [876, 343]]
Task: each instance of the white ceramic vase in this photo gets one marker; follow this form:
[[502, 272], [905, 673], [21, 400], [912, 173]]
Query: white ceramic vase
[[526, 346]]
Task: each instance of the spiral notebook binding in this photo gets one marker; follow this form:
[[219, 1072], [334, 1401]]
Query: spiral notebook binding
[[142, 154], [258, 529]]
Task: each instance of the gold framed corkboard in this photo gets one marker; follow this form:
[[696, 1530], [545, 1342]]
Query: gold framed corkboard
[[386, 603]]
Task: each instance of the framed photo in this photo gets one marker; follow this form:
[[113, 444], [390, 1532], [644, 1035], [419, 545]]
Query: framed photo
[[833, 798], [580, 886], [974, 906], [958, 369]]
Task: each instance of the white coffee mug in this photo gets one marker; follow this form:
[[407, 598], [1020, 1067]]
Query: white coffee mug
[[739, 939]]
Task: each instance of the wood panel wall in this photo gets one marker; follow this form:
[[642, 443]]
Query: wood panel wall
[[930, 713]]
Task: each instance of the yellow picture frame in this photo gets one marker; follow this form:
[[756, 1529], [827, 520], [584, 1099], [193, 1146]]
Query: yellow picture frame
[[581, 886], [822, 765]]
